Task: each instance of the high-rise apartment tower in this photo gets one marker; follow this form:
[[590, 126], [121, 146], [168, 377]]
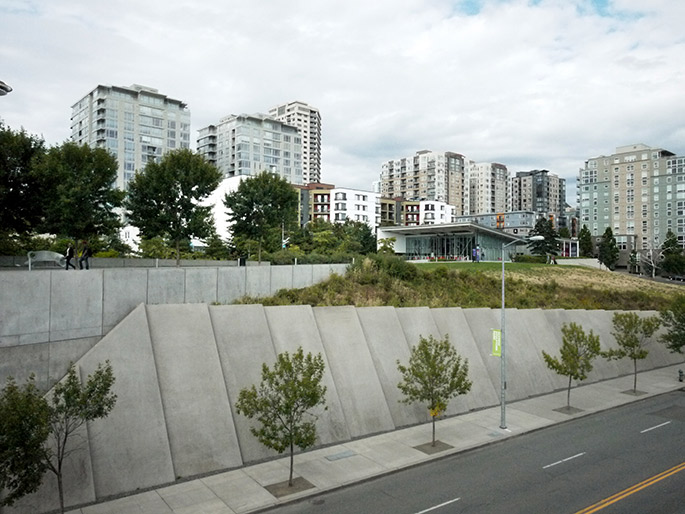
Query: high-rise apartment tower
[[137, 124], [307, 120]]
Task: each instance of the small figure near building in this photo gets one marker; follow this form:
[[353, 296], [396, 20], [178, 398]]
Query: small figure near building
[[86, 253], [69, 255]]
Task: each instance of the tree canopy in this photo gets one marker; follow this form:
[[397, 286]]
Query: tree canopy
[[578, 350], [77, 194], [260, 210], [165, 198], [284, 401], [673, 319], [24, 428], [632, 332], [20, 191], [435, 374]]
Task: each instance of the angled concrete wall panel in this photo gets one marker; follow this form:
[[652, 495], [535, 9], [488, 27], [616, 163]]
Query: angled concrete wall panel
[[78, 313], [198, 415], [166, 286], [201, 285], [293, 326], [124, 289], [452, 321], [388, 344], [357, 383], [244, 344], [145, 454], [25, 300], [231, 284]]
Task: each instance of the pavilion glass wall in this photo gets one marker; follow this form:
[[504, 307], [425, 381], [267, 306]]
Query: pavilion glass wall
[[454, 246]]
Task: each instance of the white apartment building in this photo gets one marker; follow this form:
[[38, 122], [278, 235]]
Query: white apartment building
[[433, 212], [487, 188], [426, 175], [354, 205], [137, 124], [248, 144], [307, 120]]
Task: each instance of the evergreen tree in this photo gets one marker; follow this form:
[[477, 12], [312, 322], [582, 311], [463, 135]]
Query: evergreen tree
[[608, 250], [673, 319], [550, 244], [585, 246]]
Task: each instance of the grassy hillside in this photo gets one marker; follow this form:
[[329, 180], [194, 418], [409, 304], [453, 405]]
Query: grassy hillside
[[388, 281]]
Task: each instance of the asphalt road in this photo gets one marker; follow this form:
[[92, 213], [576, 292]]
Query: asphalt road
[[631, 458]]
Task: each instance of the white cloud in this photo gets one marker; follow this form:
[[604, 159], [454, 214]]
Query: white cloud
[[543, 84]]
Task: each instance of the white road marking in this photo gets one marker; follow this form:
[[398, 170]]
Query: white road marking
[[652, 428], [563, 460], [438, 506]]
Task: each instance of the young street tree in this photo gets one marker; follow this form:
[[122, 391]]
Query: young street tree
[[24, 428], [673, 318], [578, 350], [435, 374], [78, 199], [632, 332], [284, 401], [264, 205], [71, 405], [164, 199], [608, 250]]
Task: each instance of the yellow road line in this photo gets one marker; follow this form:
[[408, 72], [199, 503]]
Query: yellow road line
[[633, 489]]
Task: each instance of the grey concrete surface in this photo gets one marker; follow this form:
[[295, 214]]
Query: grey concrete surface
[[180, 368], [49, 305], [244, 490]]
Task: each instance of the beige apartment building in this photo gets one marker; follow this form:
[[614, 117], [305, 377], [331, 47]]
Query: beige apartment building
[[638, 191]]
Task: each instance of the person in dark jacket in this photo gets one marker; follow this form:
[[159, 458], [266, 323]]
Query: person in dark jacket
[[70, 255], [86, 253]]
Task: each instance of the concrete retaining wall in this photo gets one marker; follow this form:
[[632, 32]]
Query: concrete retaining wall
[[42, 306], [179, 370]]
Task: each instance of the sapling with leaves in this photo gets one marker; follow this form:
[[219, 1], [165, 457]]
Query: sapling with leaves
[[435, 374], [284, 401], [578, 350]]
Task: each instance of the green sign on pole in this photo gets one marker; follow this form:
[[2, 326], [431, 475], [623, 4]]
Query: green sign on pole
[[496, 342]]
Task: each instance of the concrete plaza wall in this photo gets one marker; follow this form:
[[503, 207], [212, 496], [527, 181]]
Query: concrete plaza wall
[[45, 306], [179, 370]]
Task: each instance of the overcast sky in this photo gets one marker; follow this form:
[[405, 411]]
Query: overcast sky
[[532, 84]]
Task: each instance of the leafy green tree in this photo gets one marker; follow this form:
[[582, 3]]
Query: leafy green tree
[[155, 248], [632, 332], [578, 350], [24, 429], [71, 406], [78, 197], [435, 374], [585, 246], [673, 259], [216, 248], [21, 193], [259, 209], [283, 403], [387, 246], [608, 250], [550, 244], [670, 245], [564, 233], [164, 199], [673, 319]]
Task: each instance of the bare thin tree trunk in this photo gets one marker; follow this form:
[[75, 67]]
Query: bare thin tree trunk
[[292, 464], [568, 393]]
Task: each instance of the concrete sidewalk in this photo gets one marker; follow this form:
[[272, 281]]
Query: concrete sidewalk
[[245, 489]]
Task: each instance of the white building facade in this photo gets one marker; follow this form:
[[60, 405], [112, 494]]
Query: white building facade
[[248, 144], [137, 124], [487, 188], [307, 120]]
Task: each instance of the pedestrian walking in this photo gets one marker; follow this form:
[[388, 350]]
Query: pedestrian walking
[[85, 255], [70, 255]]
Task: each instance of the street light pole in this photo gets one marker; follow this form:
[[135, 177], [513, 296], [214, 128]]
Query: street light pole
[[503, 346]]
